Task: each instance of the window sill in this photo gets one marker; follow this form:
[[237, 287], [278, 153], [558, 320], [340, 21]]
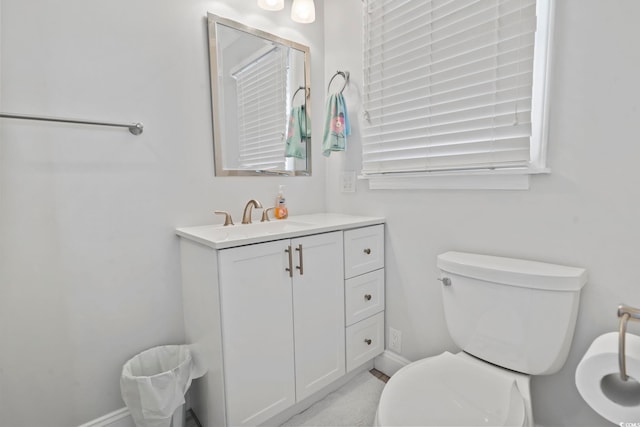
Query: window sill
[[507, 179]]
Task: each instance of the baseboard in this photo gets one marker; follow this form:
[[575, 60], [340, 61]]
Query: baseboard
[[122, 417], [119, 418], [389, 362]]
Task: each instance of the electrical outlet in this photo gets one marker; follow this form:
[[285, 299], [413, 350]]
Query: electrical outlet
[[395, 340], [348, 182]]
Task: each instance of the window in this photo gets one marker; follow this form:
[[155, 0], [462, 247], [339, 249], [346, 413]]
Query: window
[[454, 92]]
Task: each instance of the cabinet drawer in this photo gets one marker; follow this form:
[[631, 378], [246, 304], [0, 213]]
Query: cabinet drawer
[[363, 250], [364, 296], [365, 340]]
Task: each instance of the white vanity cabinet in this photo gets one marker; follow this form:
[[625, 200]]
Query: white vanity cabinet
[[277, 318], [282, 323]]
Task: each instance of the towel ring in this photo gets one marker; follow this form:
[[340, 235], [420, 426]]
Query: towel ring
[[345, 76], [296, 92]]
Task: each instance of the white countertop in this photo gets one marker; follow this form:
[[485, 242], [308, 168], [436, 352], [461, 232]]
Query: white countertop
[[220, 237]]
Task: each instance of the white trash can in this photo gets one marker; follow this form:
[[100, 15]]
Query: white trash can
[[153, 384]]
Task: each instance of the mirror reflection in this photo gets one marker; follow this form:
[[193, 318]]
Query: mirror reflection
[[260, 89]]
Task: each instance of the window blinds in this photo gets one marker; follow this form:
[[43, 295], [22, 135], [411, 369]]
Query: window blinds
[[447, 84], [262, 104]]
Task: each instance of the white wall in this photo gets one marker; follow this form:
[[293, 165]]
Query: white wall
[[89, 263], [89, 270], [585, 213]]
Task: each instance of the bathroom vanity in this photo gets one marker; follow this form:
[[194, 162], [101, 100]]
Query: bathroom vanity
[[277, 312]]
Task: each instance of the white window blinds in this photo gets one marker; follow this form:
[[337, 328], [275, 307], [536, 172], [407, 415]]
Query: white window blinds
[[447, 84], [262, 104]]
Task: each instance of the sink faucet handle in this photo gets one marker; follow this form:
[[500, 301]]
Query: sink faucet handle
[[227, 217], [265, 214]]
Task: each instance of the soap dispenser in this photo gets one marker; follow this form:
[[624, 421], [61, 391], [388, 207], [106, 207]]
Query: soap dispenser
[[281, 211]]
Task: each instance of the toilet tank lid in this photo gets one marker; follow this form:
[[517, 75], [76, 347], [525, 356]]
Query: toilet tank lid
[[515, 272]]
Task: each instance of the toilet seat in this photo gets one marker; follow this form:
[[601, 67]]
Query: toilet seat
[[452, 390]]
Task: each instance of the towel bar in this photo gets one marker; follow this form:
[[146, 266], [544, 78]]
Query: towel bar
[[625, 313], [134, 128]]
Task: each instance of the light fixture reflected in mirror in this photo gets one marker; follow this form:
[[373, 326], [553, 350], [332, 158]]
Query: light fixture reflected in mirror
[[271, 4], [303, 11]]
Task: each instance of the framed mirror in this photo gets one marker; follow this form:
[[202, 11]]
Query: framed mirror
[[260, 98]]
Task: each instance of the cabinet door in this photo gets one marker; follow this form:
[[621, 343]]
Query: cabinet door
[[257, 332], [318, 311]]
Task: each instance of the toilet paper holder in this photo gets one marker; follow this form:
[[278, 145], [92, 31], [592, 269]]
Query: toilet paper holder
[[625, 313]]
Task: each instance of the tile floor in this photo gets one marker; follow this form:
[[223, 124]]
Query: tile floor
[[192, 420]]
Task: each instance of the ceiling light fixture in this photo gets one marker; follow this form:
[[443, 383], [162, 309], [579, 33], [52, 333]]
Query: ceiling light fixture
[[303, 11], [271, 4]]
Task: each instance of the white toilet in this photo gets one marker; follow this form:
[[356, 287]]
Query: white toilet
[[512, 319]]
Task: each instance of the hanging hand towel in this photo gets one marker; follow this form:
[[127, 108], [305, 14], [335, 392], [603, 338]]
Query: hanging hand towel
[[336, 125], [299, 131]]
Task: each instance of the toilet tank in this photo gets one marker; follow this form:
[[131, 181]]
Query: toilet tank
[[513, 313]]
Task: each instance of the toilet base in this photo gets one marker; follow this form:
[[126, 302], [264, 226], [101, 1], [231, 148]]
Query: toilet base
[[495, 395]]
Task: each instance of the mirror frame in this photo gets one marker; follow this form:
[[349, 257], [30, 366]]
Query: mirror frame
[[212, 21]]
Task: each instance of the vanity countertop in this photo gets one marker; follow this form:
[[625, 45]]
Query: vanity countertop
[[220, 237]]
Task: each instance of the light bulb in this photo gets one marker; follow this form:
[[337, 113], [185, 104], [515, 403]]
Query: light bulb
[[303, 11], [271, 4]]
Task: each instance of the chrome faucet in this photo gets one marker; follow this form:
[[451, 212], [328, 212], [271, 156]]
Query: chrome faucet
[[246, 216]]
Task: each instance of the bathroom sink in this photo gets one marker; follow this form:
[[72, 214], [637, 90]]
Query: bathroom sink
[[262, 228], [220, 233], [272, 227]]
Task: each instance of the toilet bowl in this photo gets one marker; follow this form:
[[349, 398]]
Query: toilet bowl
[[455, 390], [511, 318]]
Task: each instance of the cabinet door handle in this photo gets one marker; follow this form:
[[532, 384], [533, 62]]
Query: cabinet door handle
[[367, 251], [290, 269], [368, 341], [367, 297], [300, 267]]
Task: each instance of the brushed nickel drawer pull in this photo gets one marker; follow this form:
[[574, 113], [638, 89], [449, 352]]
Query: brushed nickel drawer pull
[[367, 251], [368, 341], [367, 297]]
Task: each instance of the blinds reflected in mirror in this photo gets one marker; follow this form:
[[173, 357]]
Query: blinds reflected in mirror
[[447, 84], [261, 87]]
